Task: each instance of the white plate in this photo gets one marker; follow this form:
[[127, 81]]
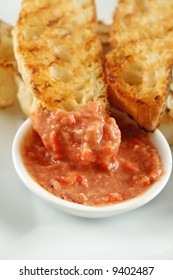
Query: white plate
[[32, 229]]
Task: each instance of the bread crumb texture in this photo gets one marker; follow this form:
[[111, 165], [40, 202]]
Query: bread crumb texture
[[59, 53], [138, 69]]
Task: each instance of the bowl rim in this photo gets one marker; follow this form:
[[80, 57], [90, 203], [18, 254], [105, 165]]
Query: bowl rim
[[157, 139]]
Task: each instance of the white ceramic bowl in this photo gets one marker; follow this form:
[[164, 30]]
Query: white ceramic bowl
[[90, 211]]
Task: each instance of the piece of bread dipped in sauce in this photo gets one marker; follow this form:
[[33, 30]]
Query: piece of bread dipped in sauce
[[58, 52]]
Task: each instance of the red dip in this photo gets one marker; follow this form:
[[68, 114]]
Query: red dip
[[82, 159]]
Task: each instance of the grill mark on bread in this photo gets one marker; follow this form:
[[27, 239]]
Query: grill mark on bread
[[54, 21], [166, 125], [139, 66], [60, 45]]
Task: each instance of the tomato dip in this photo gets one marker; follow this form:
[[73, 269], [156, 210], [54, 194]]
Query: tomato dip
[[77, 156], [84, 137]]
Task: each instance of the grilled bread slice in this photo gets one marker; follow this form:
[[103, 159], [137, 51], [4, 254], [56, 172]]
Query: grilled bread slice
[[166, 125], [58, 52], [8, 87], [26, 98], [138, 69]]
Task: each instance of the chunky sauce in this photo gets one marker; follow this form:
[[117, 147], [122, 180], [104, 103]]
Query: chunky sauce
[[101, 174], [84, 137]]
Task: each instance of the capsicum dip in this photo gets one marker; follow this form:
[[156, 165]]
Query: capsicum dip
[[86, 158]]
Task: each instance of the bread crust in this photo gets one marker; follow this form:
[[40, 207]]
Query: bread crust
[[58, 52], [138, 68]]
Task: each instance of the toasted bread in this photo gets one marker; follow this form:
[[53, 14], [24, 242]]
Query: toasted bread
[[6, 43], [8, 87], [166, 124], [58, 52], [26, 98], [138, 69]]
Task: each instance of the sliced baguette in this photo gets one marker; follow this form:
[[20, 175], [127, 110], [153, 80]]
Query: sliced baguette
[[166, 124], [8, 87], [58, 52], [138, 69], [26, 99]]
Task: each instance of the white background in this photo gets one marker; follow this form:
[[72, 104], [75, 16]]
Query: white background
[[32, 229]]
